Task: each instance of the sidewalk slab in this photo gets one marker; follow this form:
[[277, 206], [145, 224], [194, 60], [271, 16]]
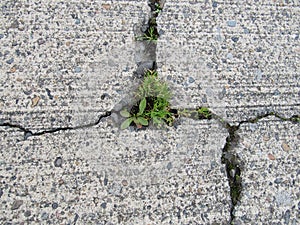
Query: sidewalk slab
[[65, 63], [269, 154], [238, 58], [103, 176]]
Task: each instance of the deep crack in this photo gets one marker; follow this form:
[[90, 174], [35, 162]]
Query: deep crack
[[232, 162], [28, 133]]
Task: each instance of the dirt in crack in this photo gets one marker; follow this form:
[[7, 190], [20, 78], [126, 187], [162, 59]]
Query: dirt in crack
[[232, 165]]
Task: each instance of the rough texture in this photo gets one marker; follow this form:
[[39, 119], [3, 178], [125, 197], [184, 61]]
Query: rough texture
[[63, 63], [269, 154], [101, 175], [239, 58]]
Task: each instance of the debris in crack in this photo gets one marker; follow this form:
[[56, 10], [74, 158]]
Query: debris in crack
[[28, 133], [232, 162]]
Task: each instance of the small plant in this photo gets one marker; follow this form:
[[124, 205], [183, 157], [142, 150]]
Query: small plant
[[204, 113], [154, 105], [158, 8], [139, 118], [150, 35], [153, 87]]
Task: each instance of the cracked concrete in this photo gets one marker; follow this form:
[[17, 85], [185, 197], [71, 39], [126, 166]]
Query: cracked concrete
[[67, 68]]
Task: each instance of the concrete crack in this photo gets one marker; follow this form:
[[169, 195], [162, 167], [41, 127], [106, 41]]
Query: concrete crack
[[28, 133], [232, 162]]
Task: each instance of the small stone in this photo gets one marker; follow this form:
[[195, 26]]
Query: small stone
[[103, 205], [1, 36], [287, 216], [231, 23], [1, 193], [106, 6], [124, 182], [41, 41], [44, 216], [10, 61], [27, 213], [16, 204], [77, 70], [105, 181], [54, 205], [266, 137], [13, 69], [285, 147], [215, 4], [77, 21], [58, 162], [191, 80], [235, 39], [35, 101], [169, 166], [271, 157], [278, 180]]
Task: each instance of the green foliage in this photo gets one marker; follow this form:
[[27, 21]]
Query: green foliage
[[204, 113], [153, 87], [149, 35], [154, 105], [139, 119]]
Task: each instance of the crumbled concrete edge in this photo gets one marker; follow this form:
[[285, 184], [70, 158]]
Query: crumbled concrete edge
[[232, 161]]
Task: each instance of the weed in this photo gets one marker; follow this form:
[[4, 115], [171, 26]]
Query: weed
[[150, 35], [139, 118], [204, 113], [154, 105]]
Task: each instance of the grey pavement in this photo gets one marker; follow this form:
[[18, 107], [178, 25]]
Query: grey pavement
[[67, 68]]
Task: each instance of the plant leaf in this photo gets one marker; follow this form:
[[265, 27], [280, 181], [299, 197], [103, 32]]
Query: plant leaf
[[125, 113], [126, 123], [143, 121], [142, 106]]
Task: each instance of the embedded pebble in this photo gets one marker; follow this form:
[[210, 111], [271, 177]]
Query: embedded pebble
[[16, 204], [58, 162]]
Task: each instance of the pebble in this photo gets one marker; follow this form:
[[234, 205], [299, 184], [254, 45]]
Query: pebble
[[16, 204], [54, 205], [235, 39], [44, 216], [231, 23], [1, 36], [271, 157], [191, 80], [285, 147], [10, 61], [1, 193], [27, 213], [77, 70], [58, 162], [103, 205], [35, 101], [287, 216]]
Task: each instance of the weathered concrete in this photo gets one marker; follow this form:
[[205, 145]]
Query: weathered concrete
[[269, 155], [239, 58], [103, 176], [64, 63]]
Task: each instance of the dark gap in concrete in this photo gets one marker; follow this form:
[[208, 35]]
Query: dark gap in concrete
[[232, 162], [28, 133]]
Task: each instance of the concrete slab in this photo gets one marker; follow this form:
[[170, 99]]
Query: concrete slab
[[63, 63], [269, 154], [239, 58], [103, 176]]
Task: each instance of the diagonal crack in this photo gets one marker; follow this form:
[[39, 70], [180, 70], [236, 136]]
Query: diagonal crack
[[232, 162], [28, 133]]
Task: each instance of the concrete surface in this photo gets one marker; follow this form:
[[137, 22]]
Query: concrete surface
[[106, 176], [269, 154], [239, 58], [65, 64]]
